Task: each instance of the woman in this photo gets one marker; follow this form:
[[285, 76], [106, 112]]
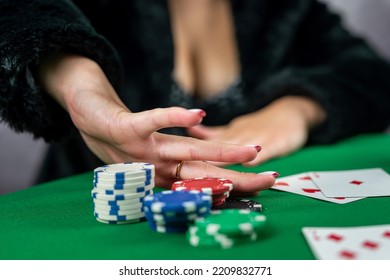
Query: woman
[[276, 74]]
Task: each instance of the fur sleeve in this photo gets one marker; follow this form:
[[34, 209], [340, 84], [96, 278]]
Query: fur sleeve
[[29, 31]]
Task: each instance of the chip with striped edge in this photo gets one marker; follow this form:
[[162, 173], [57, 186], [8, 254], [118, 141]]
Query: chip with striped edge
[[208, 185], [177, 201]]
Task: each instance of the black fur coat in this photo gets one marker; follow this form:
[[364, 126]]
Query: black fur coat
[[286, 48]]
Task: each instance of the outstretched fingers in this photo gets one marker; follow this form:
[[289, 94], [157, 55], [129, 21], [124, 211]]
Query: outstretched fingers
[[244, 183], [187, 148]]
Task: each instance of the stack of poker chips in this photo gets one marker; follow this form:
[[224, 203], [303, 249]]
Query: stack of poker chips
[[226, 228], [119, 190], [218, 188], [173, 211]]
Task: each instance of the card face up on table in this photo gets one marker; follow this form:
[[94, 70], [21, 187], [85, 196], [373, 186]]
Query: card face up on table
[[343, 243], [337, 186], [353, 183], [349, 243]]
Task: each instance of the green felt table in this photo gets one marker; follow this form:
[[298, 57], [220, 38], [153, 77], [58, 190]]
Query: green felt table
[[55, 221]]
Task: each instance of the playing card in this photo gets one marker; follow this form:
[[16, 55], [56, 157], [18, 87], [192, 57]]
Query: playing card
[[353, 183], [349, 243], [302, 184]]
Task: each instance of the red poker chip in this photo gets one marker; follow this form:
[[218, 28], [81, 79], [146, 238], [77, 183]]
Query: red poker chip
[[208, 185], [218, 202], [220, 196]]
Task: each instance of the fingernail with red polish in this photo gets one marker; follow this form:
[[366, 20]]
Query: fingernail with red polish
[[257, 147], [273, 173], [201, 112]]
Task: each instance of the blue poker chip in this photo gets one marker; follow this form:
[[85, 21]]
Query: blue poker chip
[[167, 228], [177, 201], [163, 219], [176, 216]]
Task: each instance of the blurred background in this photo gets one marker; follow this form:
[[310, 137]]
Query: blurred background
[[21, 155]]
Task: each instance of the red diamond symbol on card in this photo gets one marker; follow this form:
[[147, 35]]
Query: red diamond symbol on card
[[311, 190], [283, 184], [335, 237], [370, 244], [305, 178], [356, 182], [347, 254], [386, 234]]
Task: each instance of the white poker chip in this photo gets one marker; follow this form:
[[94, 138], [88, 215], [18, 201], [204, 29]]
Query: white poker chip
[[118, 212], [136, 180], [114, 197], [120, 222], [118, 202], [106, 207], [119, 217], [113, 177], [125, 186], [125, 170]]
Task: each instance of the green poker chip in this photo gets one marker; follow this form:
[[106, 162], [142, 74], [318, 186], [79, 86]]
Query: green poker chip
[[198, 238], [231, 222]]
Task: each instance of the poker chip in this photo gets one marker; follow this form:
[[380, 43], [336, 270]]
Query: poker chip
[[176, 201], [113, 197], [197, 239], [124, 171], [218, 188], [206, 185], [123, 183], [141, 189], [226, 228], [119, 202], [232, 222], [158, 218], [237, 203], [118, 218], [173, 211], [120, 222], [105, 207], [119, 191], [175, 218], [119, 212], [121, 187]]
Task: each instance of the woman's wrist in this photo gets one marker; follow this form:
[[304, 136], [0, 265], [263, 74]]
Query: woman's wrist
[[64, 75]]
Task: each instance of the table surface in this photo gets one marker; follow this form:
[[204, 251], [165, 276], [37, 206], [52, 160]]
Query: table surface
[[54, 221]]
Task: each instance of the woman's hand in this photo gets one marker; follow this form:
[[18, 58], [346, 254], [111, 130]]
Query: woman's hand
[[115, 134], [281, 128]]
